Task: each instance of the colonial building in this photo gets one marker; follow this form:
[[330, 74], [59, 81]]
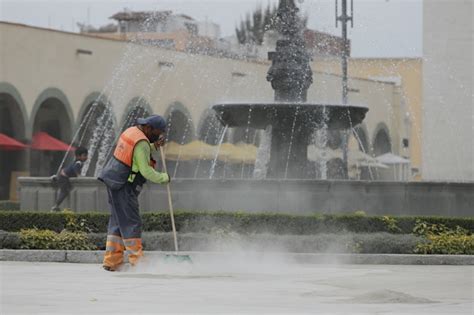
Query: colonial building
[[64, 84], [160, 28]]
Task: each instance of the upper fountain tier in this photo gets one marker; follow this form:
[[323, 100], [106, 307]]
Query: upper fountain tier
[[283, 114]]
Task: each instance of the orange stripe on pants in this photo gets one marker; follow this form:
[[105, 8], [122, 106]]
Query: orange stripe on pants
[[114, 249], [134, 249]]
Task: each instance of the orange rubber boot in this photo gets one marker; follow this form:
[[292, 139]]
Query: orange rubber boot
[[134, 249], [113, 257]]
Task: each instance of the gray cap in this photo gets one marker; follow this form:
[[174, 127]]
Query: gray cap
[[155, 121]]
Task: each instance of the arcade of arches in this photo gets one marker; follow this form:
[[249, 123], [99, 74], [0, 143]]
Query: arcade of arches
[[12, 124], [52, 115], [52, 118]]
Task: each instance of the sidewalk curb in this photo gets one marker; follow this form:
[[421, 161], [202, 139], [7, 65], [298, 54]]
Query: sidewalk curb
[[95, 257]]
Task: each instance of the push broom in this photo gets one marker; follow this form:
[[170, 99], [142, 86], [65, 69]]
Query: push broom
[[176, 256]]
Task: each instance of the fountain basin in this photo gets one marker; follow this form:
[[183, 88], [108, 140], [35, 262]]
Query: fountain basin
[[276, 196], [279, 114]]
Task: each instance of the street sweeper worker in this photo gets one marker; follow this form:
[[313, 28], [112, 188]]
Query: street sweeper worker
[[124, 175]]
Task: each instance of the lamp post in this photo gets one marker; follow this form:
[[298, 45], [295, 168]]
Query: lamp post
[[344, 18]]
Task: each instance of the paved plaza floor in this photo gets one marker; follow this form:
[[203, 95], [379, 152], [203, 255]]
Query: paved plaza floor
[[242, 285]]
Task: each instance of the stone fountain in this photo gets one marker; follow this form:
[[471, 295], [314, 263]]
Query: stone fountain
[[291, 118], [292, 121]]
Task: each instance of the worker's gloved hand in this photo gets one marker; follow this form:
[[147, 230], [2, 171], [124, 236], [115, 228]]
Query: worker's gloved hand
[[160, 142], [169, 178], [54, 178]]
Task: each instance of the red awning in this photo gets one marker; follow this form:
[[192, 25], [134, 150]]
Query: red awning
[[7, 143], [43, 141]]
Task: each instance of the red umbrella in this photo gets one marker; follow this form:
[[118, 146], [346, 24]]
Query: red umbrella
[[44, 142], [7, 143]]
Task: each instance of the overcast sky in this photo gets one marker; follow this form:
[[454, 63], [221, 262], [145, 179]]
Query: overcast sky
[[382, 28]]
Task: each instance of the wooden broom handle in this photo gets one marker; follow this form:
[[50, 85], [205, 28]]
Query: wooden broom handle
[[170, 203]]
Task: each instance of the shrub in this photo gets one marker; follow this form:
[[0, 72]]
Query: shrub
[[46, 239], [447, 244], [75, 223], [360, 213], [387, 243], [441, 239], [10, 240], [391, 224], [98, 239]]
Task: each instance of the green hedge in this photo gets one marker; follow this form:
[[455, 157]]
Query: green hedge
[[216, 241], [206, 222]]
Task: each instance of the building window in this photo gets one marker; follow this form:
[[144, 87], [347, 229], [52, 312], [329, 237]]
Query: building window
[[405, 142], [122, 27]]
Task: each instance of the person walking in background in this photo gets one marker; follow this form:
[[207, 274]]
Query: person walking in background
[[62, 179], [124, 175]]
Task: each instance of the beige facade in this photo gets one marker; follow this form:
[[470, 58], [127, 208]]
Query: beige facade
[[406, 73], [64, 73]]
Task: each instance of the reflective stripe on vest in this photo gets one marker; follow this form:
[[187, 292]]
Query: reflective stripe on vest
[[126, 143]]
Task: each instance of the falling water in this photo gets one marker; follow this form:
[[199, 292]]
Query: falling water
[[263, 154], [183, 139], [320, 138], [254, 142], [214, 162], [103, 128], [246, 140], [196, 170], [293, 126], [107, 142], [356, 136]]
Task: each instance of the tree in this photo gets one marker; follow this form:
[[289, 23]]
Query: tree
[[254, 26], [252, 29]]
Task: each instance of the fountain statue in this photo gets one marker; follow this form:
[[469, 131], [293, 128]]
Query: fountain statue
[[290, 118]]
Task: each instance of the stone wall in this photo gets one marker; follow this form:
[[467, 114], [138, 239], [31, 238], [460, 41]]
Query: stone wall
[[288, 196]]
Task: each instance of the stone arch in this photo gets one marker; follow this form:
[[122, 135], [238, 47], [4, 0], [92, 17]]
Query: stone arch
[[10, 97], [210, 128], [138, 107], [381, 142], [52, 114], [180, 124], [86, 104], [13, 123], [96, 130], [57, 105]]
